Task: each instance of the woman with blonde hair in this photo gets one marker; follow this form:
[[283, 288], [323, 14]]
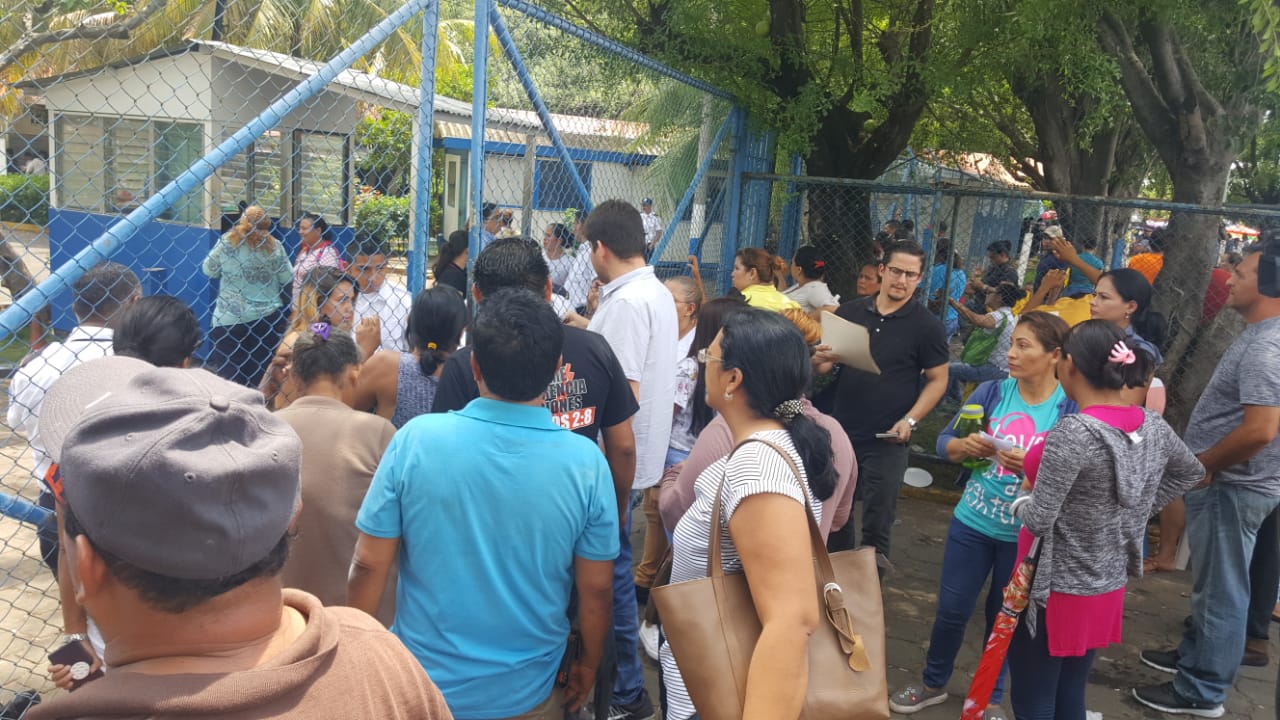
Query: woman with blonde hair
[[754, 273], [249, 313], [328, 295]]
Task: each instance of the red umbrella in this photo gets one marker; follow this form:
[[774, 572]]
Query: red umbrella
[[1016, 595]]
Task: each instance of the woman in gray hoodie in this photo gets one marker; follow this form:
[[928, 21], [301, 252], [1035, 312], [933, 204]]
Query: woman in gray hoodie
[[1097, 478]]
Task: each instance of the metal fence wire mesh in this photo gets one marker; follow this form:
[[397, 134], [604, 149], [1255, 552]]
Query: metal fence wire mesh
[[960, 218], [102, 107], [311, 215]]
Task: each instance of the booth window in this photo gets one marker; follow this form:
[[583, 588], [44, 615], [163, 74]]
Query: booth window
[[111, 164], [253, 177], [321, 178], [554, 188]]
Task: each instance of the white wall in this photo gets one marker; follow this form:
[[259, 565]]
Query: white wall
[[176, 88]]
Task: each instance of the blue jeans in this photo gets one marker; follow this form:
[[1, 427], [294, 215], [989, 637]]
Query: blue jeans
[[951, 325], [1222, 528], [959, 374], [968, 559], [1046, 687], [628, 683]]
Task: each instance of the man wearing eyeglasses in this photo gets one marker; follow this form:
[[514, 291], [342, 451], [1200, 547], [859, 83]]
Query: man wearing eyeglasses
[[378, 298], [880, 412]]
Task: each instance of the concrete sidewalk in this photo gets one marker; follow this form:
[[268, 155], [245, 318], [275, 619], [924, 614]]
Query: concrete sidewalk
[[1154, 609]]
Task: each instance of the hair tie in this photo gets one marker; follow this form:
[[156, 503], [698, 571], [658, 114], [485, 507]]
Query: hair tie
[[321, 330], [1122, 355], [788, 410], [431, 346]]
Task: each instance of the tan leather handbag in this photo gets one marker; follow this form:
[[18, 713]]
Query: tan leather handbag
[[712, 627]]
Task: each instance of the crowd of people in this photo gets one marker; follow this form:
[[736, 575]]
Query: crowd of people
[[366, 504]]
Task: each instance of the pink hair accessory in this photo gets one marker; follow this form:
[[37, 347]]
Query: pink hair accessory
[[1122, 355]]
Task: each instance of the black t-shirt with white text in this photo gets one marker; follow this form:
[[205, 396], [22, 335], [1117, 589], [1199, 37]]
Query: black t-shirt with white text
[[589, 391]]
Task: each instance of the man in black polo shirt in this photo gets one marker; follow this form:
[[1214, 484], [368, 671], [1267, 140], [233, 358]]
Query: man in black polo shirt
[[906, 341]]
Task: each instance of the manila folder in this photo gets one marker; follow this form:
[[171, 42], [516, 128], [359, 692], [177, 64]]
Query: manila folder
[[850, 341]]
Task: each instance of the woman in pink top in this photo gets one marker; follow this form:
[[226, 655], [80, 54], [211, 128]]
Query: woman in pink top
[[1096, 479], [317, 249]]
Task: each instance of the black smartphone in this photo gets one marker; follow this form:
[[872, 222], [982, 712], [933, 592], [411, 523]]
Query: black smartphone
[[74, 656]]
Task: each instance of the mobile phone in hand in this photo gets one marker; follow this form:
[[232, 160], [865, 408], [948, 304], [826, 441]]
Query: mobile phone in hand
[[74, 656], [887, 436]]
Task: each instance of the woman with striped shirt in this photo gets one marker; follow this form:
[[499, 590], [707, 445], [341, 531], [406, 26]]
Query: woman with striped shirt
[[756, 370]]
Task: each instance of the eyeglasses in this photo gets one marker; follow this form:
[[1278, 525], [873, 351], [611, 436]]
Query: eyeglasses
[[705, 357], [900, 273]]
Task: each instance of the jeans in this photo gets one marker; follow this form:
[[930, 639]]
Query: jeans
[[628, 683], [1264, 574], [952, 326], [959, 374], [880, 469], [1046, 687], [241, 352], [967, 560], [1222, 527]]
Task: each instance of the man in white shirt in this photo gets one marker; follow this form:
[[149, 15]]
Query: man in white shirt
[[378, 298], [638, 319], [98, 298], [653, 226]]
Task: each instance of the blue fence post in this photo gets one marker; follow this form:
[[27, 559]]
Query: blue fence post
[[479, 104], [18, 315], [687, 199], [792, 214], [421, 244], [530, 89], [729, 243]]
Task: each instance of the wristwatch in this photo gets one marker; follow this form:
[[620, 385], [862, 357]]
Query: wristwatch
[[910, 421]]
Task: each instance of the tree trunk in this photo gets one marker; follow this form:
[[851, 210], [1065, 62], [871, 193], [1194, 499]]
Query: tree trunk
[[1194, 350], [839, 226]]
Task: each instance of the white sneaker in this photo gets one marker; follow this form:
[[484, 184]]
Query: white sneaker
[[649, 639]]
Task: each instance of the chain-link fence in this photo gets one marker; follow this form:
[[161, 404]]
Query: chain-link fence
[[978, 231], [260, 162]]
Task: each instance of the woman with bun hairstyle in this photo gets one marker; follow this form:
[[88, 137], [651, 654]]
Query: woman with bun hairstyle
[[808, 268], [341, 449], [400, 386], [754, 273], [1098, 476]]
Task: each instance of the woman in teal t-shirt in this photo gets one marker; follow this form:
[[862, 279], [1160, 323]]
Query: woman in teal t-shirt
[[983, 538]]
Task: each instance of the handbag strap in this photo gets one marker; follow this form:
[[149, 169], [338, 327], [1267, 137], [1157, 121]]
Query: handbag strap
[[833, 595]]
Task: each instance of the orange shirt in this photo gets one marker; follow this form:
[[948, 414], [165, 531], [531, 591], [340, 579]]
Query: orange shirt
[[1149, 264]]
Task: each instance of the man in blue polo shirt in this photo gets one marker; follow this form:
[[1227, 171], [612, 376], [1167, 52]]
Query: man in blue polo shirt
[[501, 512]]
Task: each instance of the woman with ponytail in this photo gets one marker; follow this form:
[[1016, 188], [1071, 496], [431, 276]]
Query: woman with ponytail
[[757, 369], [755, 274], [401, 386], [1096, 478], [341, 449]]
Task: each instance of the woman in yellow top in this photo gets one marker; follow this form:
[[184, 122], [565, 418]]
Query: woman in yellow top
[[754, 275]]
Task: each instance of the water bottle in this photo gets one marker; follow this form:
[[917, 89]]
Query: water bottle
[[969, 422]]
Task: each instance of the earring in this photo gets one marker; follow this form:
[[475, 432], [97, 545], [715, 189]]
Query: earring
[[728, 395]]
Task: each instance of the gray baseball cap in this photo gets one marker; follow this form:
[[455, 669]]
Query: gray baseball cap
[[177, 472]]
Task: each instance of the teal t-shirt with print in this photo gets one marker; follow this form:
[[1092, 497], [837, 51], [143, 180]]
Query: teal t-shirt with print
[[985, 504]]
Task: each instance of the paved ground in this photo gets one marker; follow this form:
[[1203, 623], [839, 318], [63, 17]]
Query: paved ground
[[1155, 607]]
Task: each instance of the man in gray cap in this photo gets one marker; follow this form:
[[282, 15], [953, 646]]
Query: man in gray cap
[[176, 491]]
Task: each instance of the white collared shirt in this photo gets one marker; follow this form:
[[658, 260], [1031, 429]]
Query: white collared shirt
[[652, 228], [391, 304], [638, 319], [33, 380]]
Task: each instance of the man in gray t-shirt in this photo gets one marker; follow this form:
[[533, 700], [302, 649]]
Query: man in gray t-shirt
[[1233, 431]]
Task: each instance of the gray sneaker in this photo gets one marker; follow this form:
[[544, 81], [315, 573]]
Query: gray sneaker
[[916, 697]]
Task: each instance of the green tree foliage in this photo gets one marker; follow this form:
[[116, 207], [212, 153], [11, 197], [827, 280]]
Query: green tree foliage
[[1256, 179]]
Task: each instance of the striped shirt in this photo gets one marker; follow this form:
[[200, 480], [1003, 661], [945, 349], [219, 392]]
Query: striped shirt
[[755, 468]]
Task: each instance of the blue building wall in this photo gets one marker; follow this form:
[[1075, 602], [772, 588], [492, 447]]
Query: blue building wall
[[166, 257]]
